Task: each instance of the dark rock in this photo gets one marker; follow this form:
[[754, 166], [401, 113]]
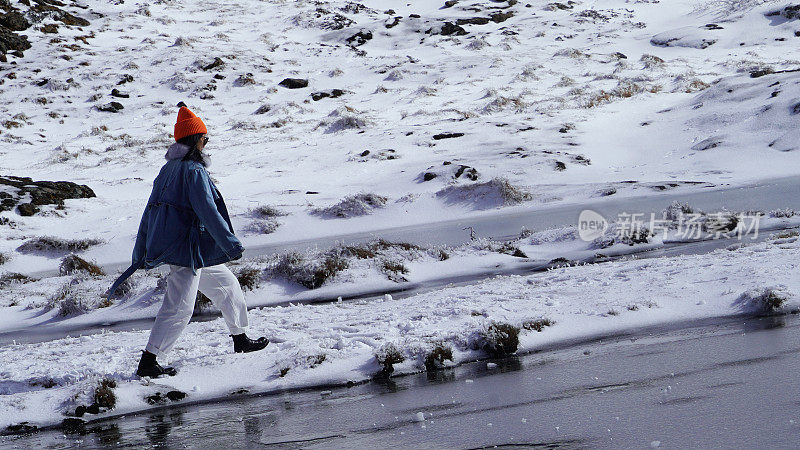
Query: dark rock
[[391, 23], [441, 136], [414, 16], [20, 428], [797, 33], [761, 73], [40, 192], [789, 12], [359, 38], [468, 172], [68, 19], [50, 28], [500, 17], [294, 83], [27, 209], [796, 109], [219, 76], [80, 411], [561, 6], [580, 159], [125, 79], [72, 425], [473, 21], [332, 21], [117, 93], [620, 55], [364, 153], [312, 192], [519, 253], [449, 28], [10, 41], [49, 9], [155, 399], [712, 26], [263, 109], [428, 176], [111, 107], [176, 395], [560, 166], [245, 79], [446, 163], [14, 21], [94, 408], [55, 192], [449, 4], [333, 93], [218, 62]]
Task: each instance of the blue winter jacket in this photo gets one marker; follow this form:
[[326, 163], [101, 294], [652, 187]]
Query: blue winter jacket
[[185, 222]]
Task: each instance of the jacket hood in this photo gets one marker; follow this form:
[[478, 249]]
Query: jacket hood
[[178, 151]]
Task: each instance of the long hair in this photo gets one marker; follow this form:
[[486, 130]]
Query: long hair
[[193, 154]]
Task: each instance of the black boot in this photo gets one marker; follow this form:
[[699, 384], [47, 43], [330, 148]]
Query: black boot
[[243, 344], [148, 367]]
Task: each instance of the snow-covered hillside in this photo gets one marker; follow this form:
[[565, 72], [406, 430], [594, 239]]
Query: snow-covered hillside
[[564, 100]]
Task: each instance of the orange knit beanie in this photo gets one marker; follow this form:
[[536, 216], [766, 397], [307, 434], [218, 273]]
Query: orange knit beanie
[[188, 124]]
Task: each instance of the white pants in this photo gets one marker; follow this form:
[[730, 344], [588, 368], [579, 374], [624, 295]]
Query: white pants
[[215, 282]]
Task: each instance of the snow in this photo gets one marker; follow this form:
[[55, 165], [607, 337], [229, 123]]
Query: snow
[[641, 292], [547, 106]]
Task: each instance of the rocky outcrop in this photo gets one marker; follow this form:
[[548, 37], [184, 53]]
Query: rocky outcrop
[[28, 195], [13, 21]]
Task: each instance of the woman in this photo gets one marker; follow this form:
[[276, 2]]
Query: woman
[[186, 225]]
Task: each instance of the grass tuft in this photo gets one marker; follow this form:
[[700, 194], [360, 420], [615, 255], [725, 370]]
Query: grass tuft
[[435, 358], [394, 270], [201, 303], [266, 212], [352, 206], [73, 263], [104, 395], [9, 278], [387, 356], [537, 324], [249, 278], [495, 191], [310, 273], [768, 300], [44, 244], [499, 339]]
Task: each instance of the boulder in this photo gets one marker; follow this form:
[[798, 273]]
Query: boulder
[[39, 192], [359, 38], [10, 41], [294, 83], [14, 21], [112, 107]]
